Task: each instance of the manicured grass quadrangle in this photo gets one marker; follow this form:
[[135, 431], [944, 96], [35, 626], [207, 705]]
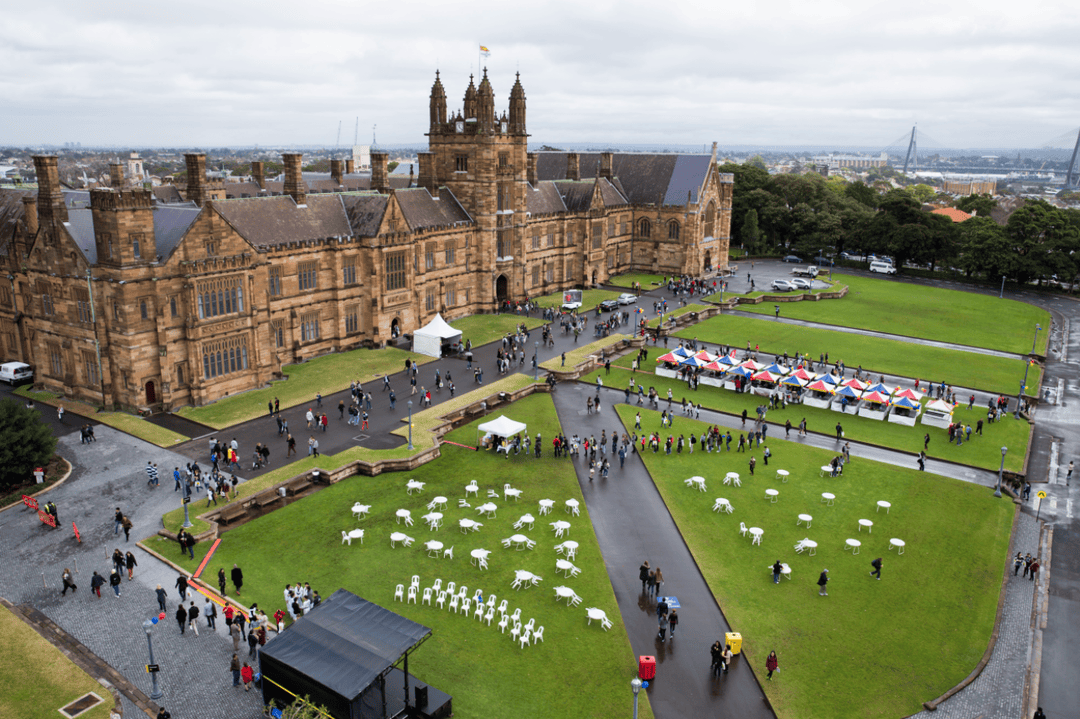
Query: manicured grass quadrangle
[[871, 648], [577, 668]]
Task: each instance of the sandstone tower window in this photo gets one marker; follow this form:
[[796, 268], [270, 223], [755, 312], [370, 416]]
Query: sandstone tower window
[[82, 298], [220, 297], [551, 239], [570, 237], [143, 311], [116, 311], [173, 309], [611, 228], [429, 300], [550, 274], [596, 236], [449, 256], [451, 297], [348, 271], [461, 163], [645, 228], [352, 316], [9, 332], [275, 282], [278, 332], [610, 261], [211, 248], [536, 242], [224, 357], [535, 275], [56, 362], [429, 256], [710, 219], [136, 245], [395, 271], [622, 227], [5, 296], [673, 230], [90, 369], [309, 327], [308, 275], [106, 242], [504, 158], [45, 290], [181, 380]]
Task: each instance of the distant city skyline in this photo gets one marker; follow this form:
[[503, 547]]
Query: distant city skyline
[[776, 73]]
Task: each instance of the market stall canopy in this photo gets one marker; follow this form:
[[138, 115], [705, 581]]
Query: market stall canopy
[[794, 381], [729, 359], [775, 369], [881, 388], [876, 398], [503, 426], [683, 352], [706, 357], [804, 375], [670, 357], [906, 403], [691, 362], [938, 405], [429, 339], [716, 367], [831, 378], [821, 386], [741, 371], [765, 376], [848, 392], [753, 366], [909, 394], [854, 384]]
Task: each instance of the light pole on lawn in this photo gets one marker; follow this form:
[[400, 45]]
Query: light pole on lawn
[[1001, 471], [186, 499], [635, 684], [1002, 293], [410, 424], [155, 692], [1027, 368], [536, 363]]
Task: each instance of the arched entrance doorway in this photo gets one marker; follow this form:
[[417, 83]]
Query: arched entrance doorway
[[502, 289], [708, 260], [395, 328], [594, 277], [151, 395]]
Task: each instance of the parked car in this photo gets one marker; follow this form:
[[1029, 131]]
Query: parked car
[[848, 256], [626, 298], [782, 285], [824, 261], [882, 267], [801, 284], [608, 305], [16, 372], [793, 258]]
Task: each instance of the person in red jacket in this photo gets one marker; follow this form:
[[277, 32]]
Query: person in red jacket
[[771, 664], [248, 675], [279, 620]]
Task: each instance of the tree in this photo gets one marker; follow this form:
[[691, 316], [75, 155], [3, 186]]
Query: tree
[[921, 192], [750, 235], [980, 205], [25, 442], [862, 194]]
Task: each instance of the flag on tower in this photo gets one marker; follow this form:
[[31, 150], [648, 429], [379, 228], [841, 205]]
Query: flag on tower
[[484, 51]]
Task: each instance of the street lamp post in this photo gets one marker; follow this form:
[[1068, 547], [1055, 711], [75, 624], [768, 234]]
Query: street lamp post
[[1027, 368], [186, 500], [635, 684], [1001, 471], [155, 692], [536, 363], [410, 424], [1002, 293]]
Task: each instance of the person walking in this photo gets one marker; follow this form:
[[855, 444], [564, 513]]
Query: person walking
[[118, 519], [234, 667], [876, 564], [126, 524], [221, 580], [673, 621], [753, 463], [95, 584], [69, 582], [728, 656], [822, 581], [1068, 475], [114, 582], [181, 617], [161, 596], [193, 618], [247, 675], [237, 578], [1027, 564], [643, 575], [129, 560], [1033, 570], [253, 643], [776, 571], [1017, 563], [659, 582], [716, 656], [663, 627], [182, 587], [772, 664], [210, 612], [234, 630]]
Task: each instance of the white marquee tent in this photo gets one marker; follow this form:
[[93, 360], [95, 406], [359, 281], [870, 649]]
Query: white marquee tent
[[432, 337]]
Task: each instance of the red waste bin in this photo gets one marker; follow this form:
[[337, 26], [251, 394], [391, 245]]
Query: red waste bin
[[646, 667]]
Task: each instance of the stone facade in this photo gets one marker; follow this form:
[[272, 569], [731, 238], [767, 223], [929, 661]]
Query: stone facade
[[123, 301]]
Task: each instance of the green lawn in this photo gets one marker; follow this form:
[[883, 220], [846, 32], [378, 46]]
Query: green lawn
[[136, 426], [589, 299], [831, 286], [574, 672], [929, 312], [38, 679], [482, 329], [326, 374], [874, 354], [849, 654], [423, 422], [983, 452], [648, 282]]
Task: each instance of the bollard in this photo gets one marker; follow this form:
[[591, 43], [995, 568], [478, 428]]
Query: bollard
[[43, 581], [76, 565]]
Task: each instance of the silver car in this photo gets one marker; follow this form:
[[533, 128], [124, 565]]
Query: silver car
[[782, 285], [627, 298], [801, 284]]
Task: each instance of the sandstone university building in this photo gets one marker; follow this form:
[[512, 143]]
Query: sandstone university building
[[122, 298]]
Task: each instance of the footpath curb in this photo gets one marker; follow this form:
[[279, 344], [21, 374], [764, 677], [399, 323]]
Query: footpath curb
[[1039, 609], [51, 487]]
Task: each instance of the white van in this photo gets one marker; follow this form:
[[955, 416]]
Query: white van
[[16, 373], [885, 267]]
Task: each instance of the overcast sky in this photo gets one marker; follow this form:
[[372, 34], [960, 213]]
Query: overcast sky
[[208, 74]]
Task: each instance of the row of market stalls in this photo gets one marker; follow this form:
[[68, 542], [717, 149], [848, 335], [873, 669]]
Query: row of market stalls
[[800, 385]]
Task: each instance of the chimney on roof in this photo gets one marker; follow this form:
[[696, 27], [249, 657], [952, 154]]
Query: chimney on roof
[[30, 217], [50, 205], [607, 161], [196, 177], [116, 175], [426, 177], [294, 179], [258, 173], [531, 172], [350, 166], [380, 172], [573, 168], [337, 167]]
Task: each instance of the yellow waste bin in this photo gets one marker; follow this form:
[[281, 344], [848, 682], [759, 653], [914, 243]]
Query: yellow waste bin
[[734, 640]]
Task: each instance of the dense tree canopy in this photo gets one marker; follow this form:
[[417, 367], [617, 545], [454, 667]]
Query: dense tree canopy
[[25, 442]]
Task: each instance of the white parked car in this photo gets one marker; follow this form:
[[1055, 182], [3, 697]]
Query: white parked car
[[16, 373], [883, 267], [627, 298], [782, 285], [800, 283]]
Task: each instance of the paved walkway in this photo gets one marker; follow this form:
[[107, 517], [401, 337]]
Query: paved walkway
[[632, 524]]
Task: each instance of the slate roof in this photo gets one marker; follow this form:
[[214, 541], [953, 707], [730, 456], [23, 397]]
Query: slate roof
[[421, 210], [320, 182], [642, 177], [171, 223], [167, 194], [243, 189], [277, 220], [365, 212], [544, 199], [577, 194], [11, 211], [80, 226]]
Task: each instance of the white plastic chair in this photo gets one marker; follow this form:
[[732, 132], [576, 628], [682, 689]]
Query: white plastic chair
[[575, 600], [345, 537], [742, 528], [441, 600], [525, 639], [506, 543], [359, 510], [412, 595], [530, 624], [471, 488], [482, 562], [538, 635], [427, 597], [399, 593], [454, 600], [516, 616], [415, 580], [451, 587], [502, 624], [408, 541], [478, 613], [515, 632], [502, 607], [509, 491], [465, 604], [437, 585], [462, 591], [490, 615], [463, 503], [448, 553], [491, 600], [606, 623]]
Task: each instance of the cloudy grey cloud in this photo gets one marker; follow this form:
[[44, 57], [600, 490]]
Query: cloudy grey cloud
[[768, 72]]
